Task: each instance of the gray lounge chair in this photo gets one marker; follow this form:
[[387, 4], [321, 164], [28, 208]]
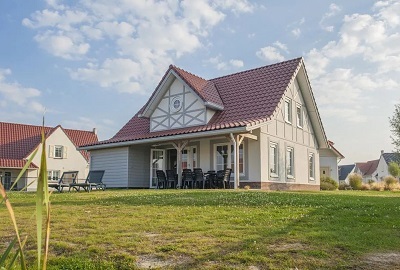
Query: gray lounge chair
[[93, 180], [66, 180]]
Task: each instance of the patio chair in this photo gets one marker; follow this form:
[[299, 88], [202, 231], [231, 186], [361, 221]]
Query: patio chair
[[161, 179], [210, 179], [198, 178], [93, 180], [187, 178], [227, 178], [67, 178], [171, 178]]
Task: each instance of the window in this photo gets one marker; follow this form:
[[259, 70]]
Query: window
[[290, 162], [299, 114], [273, 159], [311, 166], [288, 110], [53, 175], [224, 157], [58, 151]]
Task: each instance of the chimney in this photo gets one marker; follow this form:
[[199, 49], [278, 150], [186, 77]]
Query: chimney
[[382, 151], [95, 131]]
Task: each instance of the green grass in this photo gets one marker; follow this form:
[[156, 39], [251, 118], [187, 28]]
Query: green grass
[[211, 229]]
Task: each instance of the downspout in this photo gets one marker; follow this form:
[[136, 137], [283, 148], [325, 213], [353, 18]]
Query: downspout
[[234, 161]]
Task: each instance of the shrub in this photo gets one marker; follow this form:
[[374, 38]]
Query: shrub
[[328, 183], [370, 181], [355, 181], [391, 183], [394, 169], [377, 186], [344, 186], [365, 187]]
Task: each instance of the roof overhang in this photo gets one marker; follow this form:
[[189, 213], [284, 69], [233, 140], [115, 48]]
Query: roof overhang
[[187, 136]]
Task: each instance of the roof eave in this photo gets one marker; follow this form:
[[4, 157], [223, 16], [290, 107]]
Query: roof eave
[[167, 138]]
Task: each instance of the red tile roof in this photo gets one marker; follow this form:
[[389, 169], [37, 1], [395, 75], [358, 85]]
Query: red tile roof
[[249, 97], [17, 141], [369, 167]]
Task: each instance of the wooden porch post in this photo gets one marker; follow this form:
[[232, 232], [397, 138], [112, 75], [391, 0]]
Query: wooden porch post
[[179, 146]]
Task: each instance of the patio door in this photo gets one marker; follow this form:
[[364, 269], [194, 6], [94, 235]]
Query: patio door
[[157, 159], [189, 158], [7, 180]]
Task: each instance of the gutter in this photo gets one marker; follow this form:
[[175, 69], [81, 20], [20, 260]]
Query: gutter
[[166, 138]]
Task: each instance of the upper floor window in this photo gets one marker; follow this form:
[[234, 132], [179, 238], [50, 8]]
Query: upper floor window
[[288, 110], [57, 151], [290, 162], [299, 114], [273, 159]]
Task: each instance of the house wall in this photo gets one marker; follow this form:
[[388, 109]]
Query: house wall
[[139, 166], [330, 161], [301, 138], [192, 113], [382, 169], [115, 163], [71, 161]]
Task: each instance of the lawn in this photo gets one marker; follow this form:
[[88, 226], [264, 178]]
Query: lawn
[[214, 229]]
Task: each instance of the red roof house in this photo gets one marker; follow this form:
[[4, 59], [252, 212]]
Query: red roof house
[[262, 122], [19, 141]]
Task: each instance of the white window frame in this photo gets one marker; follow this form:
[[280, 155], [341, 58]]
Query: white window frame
[[51, 174], [299, 116], [290, 170], [273, 159], [311, 166], [230, 160], [58, 147], [288, 110]]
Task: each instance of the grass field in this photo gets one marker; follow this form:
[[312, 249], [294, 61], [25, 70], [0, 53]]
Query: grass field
[[214, 229]]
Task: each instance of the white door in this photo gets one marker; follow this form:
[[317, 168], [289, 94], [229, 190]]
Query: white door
[[157, 158], [189, 158]]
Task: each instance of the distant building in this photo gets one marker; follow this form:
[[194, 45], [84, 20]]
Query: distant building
[[19, 141], [344, 172], [368, 170], [383, 164]]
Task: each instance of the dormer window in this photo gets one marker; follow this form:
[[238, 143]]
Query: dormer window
[[176, 104]]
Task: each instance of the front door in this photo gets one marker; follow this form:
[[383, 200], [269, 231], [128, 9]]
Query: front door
[[325, 171], [7, 180], [156, 163]]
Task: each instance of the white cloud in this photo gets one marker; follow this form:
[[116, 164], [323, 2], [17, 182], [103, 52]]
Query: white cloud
[[333, 11], [219, 64], [22, 98], [145, 35], [281, 46], [296, 32], [270, 54]]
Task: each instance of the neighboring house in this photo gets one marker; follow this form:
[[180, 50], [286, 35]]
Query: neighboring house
[[384, 160], [368, 170], [19, 141], [344, 172], [329, 159], [263, 123]]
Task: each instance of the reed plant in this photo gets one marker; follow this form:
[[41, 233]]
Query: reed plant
[[14, 253]]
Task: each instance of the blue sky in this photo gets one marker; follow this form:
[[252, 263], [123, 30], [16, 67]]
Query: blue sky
[[94, 63]]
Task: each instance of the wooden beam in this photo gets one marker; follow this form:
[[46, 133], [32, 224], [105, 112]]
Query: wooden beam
[[250, 136]]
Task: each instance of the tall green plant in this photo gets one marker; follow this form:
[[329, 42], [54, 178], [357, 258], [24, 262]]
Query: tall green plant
[[394, 169], [42, 212]]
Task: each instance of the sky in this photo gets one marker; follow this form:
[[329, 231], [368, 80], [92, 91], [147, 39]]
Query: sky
[[94, 63]]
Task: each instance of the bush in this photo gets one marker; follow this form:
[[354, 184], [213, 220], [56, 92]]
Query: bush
[[370, 181], [394, 169], [344, 186], [355, 181], [391, 183], [328, 183], [377, 186], [365, 187]]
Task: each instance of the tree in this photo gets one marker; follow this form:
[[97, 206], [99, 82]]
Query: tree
[[395, 125], [394, 169]]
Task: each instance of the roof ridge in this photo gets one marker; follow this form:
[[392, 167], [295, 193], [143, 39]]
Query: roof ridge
[[30, 125], [188, 72], [253, 69]]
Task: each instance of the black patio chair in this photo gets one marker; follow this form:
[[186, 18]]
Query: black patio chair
[[187, 178], [198, 178], [161, 179], [227, 178], [171, 178], [210, 179]]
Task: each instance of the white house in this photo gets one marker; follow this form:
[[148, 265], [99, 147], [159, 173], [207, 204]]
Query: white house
[[329, 160], [19, 141], [368, 170], [263, 123], [383, 164]]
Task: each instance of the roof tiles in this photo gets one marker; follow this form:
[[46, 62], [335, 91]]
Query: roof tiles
[[249, 97], [17, 142]]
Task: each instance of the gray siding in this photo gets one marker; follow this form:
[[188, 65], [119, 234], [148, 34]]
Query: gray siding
[[139, 166], [115, 163]]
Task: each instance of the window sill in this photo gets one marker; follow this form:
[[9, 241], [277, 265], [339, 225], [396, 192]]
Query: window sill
[[274, 175], [300, 127], [288, 122]]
